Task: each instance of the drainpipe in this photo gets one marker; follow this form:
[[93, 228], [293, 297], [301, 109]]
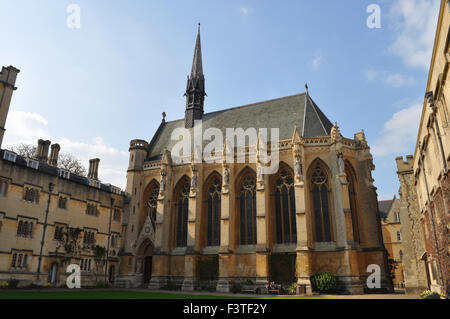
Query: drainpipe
[[50, 187], [109, 237]]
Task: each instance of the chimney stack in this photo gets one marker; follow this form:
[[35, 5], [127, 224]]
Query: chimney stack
[[54, 154], [45, 147], [93, 168], [39, 149], [8, 78]]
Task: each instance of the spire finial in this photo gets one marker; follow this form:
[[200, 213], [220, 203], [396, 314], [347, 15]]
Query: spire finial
[[306, 87], [163, 116]]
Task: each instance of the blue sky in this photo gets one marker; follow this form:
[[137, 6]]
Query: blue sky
[[95, 88]]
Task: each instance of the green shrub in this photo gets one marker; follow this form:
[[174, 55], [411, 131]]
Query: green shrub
[[427, 294], [324, 282], [13, 283], [292, 289]]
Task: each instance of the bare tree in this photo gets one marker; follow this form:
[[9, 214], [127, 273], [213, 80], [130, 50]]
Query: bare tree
[[23, 149], [71, 163], [65, 161]]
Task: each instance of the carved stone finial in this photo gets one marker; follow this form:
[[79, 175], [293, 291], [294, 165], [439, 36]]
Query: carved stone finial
[[227, 154], [166, 158], [335, 133], [296, 136], [164, 116]]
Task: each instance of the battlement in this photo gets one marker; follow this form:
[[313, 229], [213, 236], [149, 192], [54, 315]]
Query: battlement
[[404, 166], [138, 144]]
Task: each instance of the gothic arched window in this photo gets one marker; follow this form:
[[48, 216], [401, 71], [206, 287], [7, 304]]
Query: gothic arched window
[[213, 212], [351, 176], [286, 229], [152, 201], [321, 204], [247, 209], [182, 209]]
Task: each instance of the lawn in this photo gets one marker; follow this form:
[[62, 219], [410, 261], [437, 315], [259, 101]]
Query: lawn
[[100, 294]]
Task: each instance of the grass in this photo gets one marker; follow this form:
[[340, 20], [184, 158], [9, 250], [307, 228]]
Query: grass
[[101, 294]]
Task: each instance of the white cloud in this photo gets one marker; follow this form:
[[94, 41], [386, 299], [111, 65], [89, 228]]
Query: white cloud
[[24, 127], [399, 132], [393, 79], [414, 23], [244, 11], [371, 74], [316, 62]]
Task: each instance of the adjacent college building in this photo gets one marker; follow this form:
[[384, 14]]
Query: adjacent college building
[[425, 179]]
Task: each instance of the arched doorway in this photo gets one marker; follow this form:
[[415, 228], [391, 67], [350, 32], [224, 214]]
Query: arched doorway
[[53, 275], [111, 274], [145, 253]]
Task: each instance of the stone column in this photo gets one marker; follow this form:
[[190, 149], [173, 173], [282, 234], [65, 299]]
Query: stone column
[[223, 284], [190, 258], [339, 217], [303, 268], [160, 261], [303, 259], [347, 214], [262, 194]]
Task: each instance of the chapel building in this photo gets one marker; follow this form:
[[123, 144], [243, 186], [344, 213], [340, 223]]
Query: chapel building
[[197, 223]]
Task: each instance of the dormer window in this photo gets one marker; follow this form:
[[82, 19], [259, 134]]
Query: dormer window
[[114, 189], [10, 156], [32, 163], [64, 173]]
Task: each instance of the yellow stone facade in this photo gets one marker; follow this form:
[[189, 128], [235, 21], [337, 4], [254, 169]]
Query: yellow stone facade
[[67, 209], [356, 241], [431, 162], [392, 237]]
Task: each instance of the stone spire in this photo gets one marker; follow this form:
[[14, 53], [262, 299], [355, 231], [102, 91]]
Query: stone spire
[[197, 66], [195, 88]]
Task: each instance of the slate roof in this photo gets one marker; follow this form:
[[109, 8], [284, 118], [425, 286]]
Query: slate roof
[[384, 206], [283, 113]]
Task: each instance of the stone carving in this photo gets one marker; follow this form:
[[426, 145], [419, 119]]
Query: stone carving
[[260, 173], [226, 176], [341, 164], [163, 182], [194, 180], [335, 133], [298, 166]]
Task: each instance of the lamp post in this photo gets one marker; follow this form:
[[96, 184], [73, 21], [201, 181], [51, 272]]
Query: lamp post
[[109, 237], [50, 189]]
